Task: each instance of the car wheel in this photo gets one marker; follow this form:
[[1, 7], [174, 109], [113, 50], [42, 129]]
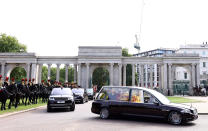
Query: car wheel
[[175, 118], [49, 109], [82, 101], [104, 113], [72, 108], [86, 99]]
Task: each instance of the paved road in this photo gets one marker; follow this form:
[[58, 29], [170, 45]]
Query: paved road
[[83, 120]]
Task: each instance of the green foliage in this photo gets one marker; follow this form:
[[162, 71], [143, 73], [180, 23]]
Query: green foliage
[[174, 99], [18, 73], [128, 75], [125, 52], [100, 77], [62, 74], [71, 74], [11, 44], [44, 73], [21, 107]]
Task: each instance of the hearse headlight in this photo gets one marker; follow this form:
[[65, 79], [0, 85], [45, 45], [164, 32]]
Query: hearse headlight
[[51, 98], [186, 111]]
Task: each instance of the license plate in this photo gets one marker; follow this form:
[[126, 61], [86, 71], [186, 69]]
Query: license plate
[[60, 101]]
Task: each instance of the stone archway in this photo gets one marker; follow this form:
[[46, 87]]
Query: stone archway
[[181, 79], [100, 77], [11, 67], [18, 73]]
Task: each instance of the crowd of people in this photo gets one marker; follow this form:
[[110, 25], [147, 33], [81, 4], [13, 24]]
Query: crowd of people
[[27, 92]]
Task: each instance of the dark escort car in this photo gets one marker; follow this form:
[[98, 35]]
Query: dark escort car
[[142, 102], [61, 98], [80, 95]]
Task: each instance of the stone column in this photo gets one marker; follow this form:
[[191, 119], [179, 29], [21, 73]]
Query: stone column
[[165, 78], [120, 78], [75, 73], [111, 74], [159, 76], [197, 74], [151, 76], [28, 71], [142, 75], [3, 70], [79, 74], [87, 75], [57, 72], [66, 72], [170, 79], [133, 74], [33, 71], [192, 80], [146, 75], [40, 73], [155, 76], [49, 71], [124, 74], [193, 70]]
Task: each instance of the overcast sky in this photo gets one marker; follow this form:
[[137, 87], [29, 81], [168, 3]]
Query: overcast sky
[[58, 27]]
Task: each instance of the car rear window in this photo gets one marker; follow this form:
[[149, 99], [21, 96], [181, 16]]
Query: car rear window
[[114, 93]]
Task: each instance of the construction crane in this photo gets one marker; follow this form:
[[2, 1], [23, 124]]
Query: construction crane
[[136, 45]]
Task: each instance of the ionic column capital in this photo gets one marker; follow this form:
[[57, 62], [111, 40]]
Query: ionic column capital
[[87, 64], [111, 64]]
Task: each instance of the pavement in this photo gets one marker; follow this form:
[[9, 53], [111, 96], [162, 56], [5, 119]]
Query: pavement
[[202, 107]]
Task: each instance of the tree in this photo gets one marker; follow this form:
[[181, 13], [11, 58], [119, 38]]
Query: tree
[[53, 74], [18, 73], [100, 77], [125, 52], [44, 73], [11, 44]]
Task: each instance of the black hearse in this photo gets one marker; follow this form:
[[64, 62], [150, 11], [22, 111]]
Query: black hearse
[[140, 101], [61, 98]]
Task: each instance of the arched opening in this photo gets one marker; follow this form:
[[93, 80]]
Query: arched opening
[[181, 80], [18, 73], [100, 77]]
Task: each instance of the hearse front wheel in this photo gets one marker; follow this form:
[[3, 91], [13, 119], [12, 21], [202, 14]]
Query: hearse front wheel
[[104, 113], [175, 118]]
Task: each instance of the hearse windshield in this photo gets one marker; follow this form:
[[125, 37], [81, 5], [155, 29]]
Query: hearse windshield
[[61, 91], [160, 96]]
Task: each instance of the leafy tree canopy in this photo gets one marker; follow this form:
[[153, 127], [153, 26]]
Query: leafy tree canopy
[[125, 52], [11, 44]]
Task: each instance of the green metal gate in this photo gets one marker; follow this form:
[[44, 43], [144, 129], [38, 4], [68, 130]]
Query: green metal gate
[[181, 87]]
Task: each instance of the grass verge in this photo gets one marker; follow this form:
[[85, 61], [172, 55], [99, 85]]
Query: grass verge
[[20, 107], [174, 99]]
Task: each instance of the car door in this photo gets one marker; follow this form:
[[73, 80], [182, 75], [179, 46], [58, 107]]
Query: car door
[[136, 103], [151, 106], [118, 100]]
